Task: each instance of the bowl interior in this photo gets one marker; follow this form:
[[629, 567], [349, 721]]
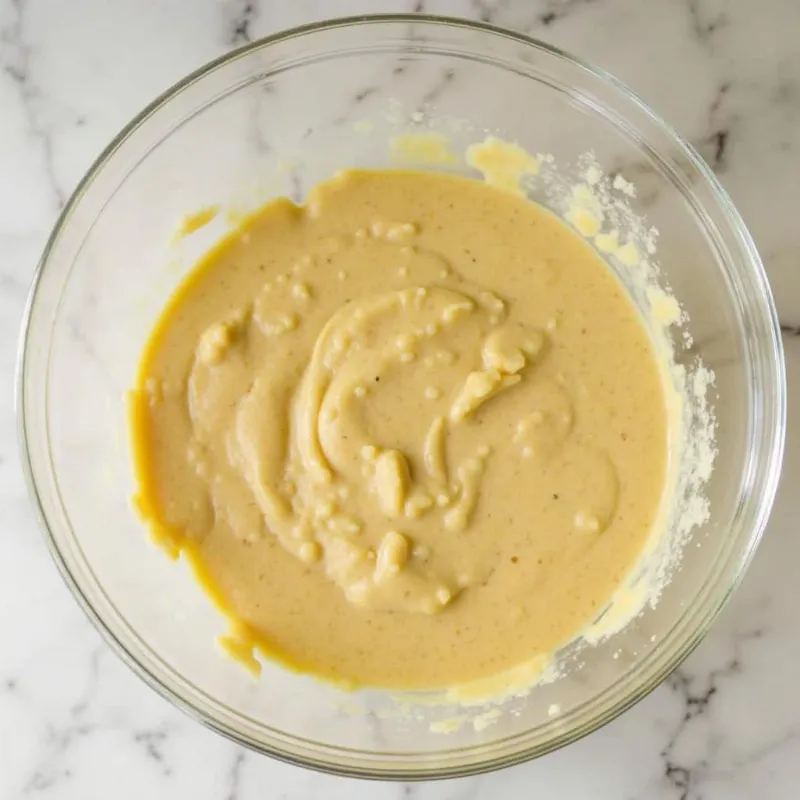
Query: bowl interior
[[274, 119]]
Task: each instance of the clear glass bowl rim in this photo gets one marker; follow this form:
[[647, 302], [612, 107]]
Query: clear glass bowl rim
[[762, 500]]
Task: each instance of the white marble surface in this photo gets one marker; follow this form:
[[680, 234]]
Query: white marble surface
[[75, 724]]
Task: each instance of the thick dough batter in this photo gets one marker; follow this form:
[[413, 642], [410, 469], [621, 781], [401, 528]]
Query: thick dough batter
[[410, 435]]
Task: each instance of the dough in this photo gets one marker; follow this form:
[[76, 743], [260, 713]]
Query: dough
[[411, 435]]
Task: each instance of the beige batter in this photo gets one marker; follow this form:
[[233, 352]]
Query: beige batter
[[410, 435]]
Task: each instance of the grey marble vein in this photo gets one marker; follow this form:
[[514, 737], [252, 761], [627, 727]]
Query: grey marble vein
[[15, 58], [445, 80], [706, 21], [240, 17], [61, 737], [714, 146], [235, 775], [153, 742]]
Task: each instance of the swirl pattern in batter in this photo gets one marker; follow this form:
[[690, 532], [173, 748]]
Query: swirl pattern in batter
[[411, 435]]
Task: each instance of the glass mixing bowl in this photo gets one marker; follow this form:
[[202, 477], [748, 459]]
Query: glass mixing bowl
[[277, 116]]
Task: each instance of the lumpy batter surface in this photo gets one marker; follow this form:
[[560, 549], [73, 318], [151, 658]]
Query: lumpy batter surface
[[411, 435]]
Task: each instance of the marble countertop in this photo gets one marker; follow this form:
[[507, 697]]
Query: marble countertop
[[76, 724]]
